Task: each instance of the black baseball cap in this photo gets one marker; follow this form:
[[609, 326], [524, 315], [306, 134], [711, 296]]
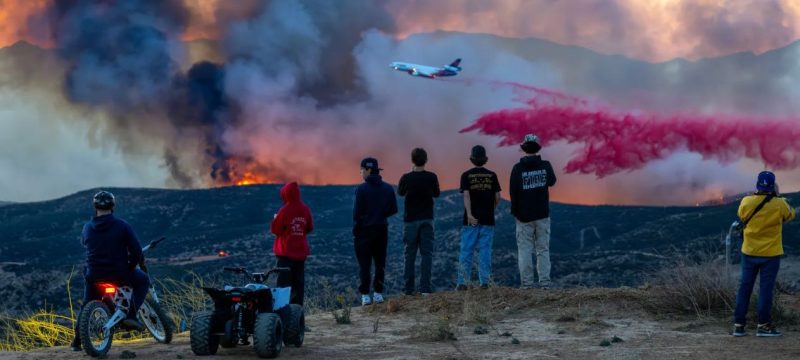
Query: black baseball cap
[[478, 152], [370, 163]]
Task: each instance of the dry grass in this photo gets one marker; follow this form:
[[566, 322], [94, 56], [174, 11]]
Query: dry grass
[[703, 289], [439, 330], [42, 329], [182, 298], [339, 304]]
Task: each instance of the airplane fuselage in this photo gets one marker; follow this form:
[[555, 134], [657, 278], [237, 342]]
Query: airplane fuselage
[[430, 72]]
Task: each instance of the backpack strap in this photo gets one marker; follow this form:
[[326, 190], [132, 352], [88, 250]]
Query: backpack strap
[[758, 208]]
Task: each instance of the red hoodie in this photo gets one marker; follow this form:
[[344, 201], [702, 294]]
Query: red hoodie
[[291, 225]]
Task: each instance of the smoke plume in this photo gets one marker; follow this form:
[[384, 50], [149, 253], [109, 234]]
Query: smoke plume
[[612, 142], [124, 58]]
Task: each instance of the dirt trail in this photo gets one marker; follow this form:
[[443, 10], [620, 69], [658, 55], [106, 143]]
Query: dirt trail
[[562, 324]]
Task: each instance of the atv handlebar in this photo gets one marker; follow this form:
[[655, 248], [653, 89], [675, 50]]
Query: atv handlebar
[[257, 277]]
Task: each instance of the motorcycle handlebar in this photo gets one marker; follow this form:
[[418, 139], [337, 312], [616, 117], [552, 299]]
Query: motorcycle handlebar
[[153, 244]]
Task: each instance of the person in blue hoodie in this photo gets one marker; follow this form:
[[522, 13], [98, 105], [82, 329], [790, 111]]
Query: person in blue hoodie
[[112, 254], [374, 203]]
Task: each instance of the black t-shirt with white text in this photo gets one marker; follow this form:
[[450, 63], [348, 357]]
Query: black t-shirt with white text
[[483, 186]]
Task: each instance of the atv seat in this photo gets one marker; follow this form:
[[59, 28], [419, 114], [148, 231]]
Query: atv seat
[[256, 286], [246, 289]]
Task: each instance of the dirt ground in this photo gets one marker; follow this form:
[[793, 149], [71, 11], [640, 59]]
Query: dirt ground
[[501, 324]]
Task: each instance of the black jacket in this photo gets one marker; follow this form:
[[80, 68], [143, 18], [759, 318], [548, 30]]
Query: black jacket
[[375, 201], [111, 246], [530, 182]]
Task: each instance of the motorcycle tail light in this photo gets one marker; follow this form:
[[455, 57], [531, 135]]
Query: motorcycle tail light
[[108, 289]]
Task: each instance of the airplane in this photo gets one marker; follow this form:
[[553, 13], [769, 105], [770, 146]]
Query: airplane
[[430, 72]]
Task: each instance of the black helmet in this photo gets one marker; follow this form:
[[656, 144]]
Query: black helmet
[[103, 200]]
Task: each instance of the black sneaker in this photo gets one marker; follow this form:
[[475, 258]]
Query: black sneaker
[[462, 287], [484, 286], [738, 330], [132, 324], [767, 330], [76, 345]]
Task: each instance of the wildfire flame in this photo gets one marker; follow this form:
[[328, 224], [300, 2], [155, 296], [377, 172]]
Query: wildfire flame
[[242, 172], [251, 178]]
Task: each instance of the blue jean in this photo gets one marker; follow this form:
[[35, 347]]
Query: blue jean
[[752, 266], [472, 236]]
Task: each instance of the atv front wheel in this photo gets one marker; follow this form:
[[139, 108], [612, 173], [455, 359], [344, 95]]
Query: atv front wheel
[[268, 335], [201, 335]]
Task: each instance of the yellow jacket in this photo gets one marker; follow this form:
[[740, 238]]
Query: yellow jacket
[[764, 233]]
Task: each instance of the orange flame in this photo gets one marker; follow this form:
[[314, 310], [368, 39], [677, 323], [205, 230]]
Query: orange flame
[[243, 172], [252, 178]]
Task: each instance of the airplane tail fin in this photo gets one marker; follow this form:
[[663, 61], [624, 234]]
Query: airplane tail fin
[[456, 64]]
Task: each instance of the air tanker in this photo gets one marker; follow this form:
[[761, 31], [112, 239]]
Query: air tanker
[[430, 72]]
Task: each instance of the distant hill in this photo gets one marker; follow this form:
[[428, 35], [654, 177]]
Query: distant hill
[[712, 83], [591, 245]]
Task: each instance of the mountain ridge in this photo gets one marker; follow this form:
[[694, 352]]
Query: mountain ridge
[[590, 245]]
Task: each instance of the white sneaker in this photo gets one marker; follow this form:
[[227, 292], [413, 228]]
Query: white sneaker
[[365, 300], [378, 298]]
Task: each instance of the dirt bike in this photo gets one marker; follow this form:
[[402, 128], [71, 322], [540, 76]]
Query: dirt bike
[[252, 310], [99, 319]]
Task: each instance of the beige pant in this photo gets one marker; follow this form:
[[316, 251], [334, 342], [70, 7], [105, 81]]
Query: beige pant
[[534, 235]]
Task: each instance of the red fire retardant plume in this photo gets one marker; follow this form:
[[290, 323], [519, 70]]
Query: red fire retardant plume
[[618, 141]]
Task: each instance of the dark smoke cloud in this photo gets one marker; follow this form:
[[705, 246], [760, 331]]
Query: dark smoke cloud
[[310, 41], [124, 58], [120, 51]]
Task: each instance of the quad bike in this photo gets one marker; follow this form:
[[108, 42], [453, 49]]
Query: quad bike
[[254, 309], [99, 319]]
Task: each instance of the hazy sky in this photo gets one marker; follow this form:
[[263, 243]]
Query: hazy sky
[[305, 95]]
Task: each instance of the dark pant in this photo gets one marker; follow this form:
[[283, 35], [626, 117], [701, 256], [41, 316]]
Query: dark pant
[[136, 279], [752, 266], [295, 278], [418, 235], [370, 244]]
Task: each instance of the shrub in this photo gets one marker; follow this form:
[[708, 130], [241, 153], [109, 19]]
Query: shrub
[[702, 288]]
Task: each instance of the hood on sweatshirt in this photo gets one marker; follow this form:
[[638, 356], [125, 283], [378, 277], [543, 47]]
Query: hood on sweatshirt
[[531, 159], [374, 179], [102, 222], [290, 193]]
